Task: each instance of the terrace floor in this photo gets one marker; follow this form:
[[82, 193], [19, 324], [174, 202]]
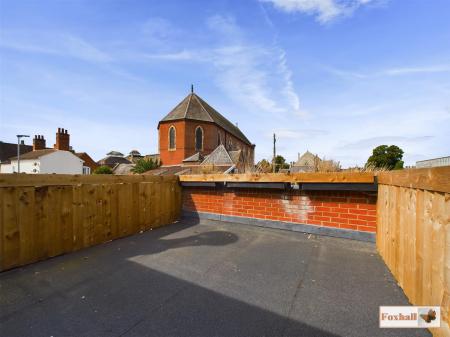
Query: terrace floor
[[208, 279]]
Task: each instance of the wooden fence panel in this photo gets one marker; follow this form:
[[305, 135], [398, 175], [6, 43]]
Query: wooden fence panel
[[61, 214], [413, 237]]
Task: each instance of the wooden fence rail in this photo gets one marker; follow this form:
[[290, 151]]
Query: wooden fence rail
[[413, 235], [62, 214]]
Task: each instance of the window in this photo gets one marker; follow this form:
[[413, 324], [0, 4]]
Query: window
[[198, 138], [86, 170], [172, 138]]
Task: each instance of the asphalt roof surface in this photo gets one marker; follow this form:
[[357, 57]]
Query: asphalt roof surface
[[208, 279]]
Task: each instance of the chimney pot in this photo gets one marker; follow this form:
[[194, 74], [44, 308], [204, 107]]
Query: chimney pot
[[38, 142], [62, 140]]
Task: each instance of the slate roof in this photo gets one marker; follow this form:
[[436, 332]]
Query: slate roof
[[35, 154], [111, 161], [115, 153], [195, 108], [123, 169], [135, 153], [8, 150], [194, 158], [235, 156], [219, 156]]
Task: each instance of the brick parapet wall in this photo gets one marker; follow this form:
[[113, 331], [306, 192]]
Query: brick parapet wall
[[343, 209]]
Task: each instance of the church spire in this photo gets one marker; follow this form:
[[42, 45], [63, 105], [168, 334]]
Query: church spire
[[192, 88]]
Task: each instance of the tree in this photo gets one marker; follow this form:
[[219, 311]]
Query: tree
[[143, 165], [387, 157], [280, 163], [103, 170]]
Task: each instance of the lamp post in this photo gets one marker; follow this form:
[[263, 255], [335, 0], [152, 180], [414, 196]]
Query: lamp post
[[19, 137]]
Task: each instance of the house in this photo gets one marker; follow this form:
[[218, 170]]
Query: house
[[46, 161], [153, 157], [8, 150], [59, 159], [193, 131], [307, 162], [89, 164], [435, 162], [134, 156], [112, 159]]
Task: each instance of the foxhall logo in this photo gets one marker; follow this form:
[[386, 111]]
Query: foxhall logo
[[410, 317]]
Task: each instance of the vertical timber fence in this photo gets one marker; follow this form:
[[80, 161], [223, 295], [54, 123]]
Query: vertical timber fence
[[42, 216], [413, 235]]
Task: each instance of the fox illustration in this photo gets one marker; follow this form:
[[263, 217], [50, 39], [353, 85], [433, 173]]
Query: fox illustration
[[431, 316]]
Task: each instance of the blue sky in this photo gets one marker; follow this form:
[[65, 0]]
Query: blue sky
[[337, 77]]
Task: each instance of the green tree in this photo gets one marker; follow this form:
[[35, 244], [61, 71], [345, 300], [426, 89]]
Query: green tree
[[143, 165], [103, 170], [280, 163], [387, 157]]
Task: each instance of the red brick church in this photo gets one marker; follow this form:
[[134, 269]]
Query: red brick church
[[194, 133]]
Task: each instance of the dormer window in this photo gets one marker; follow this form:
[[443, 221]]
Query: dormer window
[[199, 139], [172, 138]]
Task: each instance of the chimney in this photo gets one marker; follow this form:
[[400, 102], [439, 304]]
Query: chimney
[[38, 142], [62, 140]]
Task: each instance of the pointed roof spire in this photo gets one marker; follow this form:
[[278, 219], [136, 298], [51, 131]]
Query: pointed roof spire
[[192, 107], [192, 88]]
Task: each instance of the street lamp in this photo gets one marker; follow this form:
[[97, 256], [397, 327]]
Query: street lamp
[[19, 137]]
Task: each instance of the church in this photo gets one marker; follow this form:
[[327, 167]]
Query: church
[[195, 135]]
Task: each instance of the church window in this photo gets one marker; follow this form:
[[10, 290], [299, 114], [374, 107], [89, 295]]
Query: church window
[[172, 138], [198, 138]]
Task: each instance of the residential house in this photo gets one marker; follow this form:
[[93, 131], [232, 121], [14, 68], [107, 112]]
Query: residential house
[[134, 156], [89, 164], [9, 150], [59, 159], [112, 159], [435, 162], [46, 161], [307, 162]]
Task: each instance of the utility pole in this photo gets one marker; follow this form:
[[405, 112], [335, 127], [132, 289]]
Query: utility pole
[[19, 137], [274, 153]]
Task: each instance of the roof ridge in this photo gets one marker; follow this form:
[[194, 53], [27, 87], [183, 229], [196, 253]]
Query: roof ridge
[[187, 105], [228, 154], [204, 109], [217, 149]]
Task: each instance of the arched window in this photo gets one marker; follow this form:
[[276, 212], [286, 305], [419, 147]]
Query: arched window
[[172, 138], [198, 138]]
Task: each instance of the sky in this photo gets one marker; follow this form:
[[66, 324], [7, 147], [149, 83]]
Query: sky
[[335, 77]]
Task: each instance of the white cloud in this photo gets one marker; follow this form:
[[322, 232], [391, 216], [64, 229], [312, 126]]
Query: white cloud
[[252, 75], [324, 10], [417, 70], [255, 75], [395, 71], [53, 44], [183, 55]]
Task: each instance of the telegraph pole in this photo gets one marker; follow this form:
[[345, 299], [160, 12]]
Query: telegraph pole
[[274, 153], [19, 137]]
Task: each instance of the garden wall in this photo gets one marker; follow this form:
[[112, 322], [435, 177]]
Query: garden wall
[[338, 208]]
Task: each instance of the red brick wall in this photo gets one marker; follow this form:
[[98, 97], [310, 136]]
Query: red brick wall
[[347, 210], [172, 157], [185, 140]]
